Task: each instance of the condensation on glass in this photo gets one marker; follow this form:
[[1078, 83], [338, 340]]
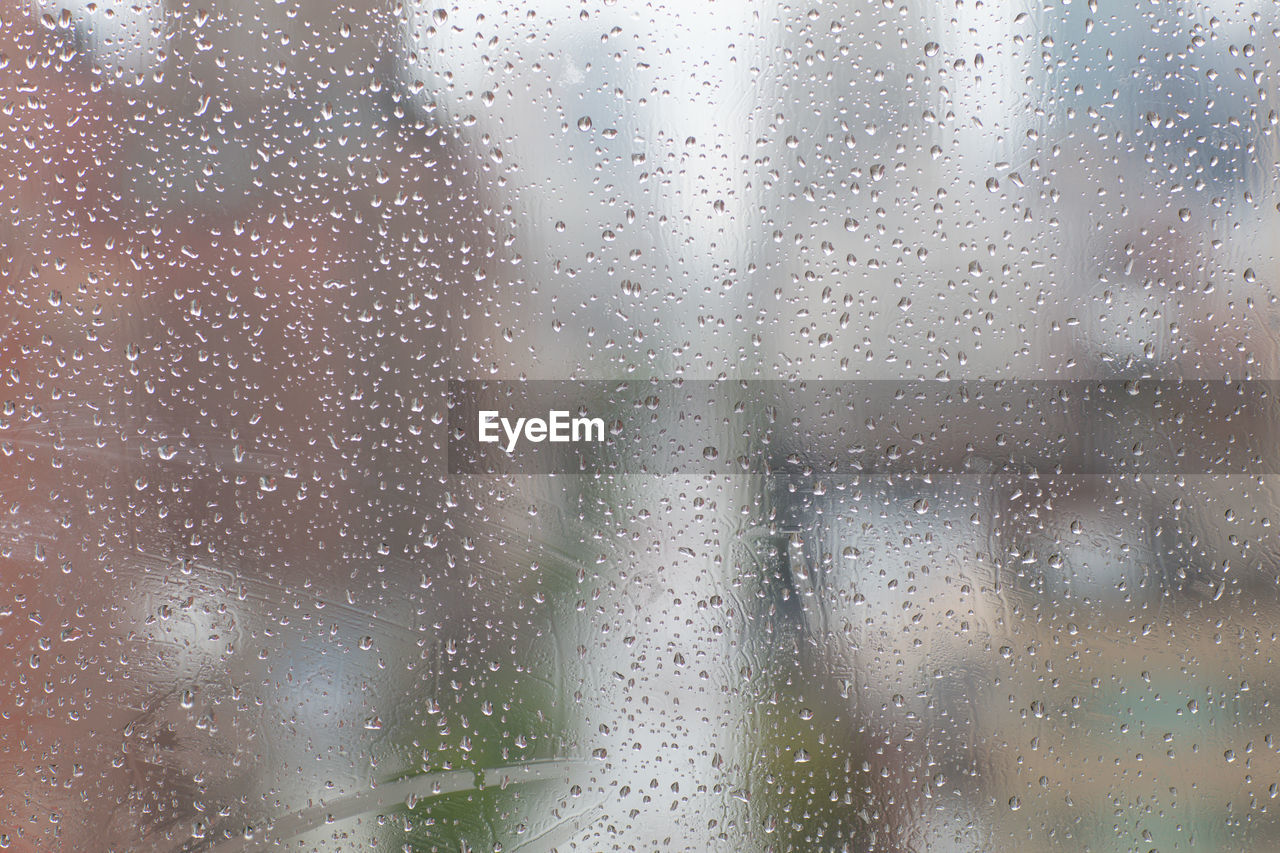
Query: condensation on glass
[[246, 244]]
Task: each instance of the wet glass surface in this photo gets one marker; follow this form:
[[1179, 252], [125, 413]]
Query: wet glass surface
[[252, 598]]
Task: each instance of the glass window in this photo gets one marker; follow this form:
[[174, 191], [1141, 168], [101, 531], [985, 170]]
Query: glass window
[[631, 426]]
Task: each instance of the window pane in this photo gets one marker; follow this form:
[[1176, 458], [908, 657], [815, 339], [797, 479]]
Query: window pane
[[916, 367]]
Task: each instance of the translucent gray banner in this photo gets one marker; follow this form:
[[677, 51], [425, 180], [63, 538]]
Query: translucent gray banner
[[835, 427]]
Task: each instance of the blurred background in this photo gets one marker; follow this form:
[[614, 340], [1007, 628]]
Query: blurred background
[[245, 245]]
